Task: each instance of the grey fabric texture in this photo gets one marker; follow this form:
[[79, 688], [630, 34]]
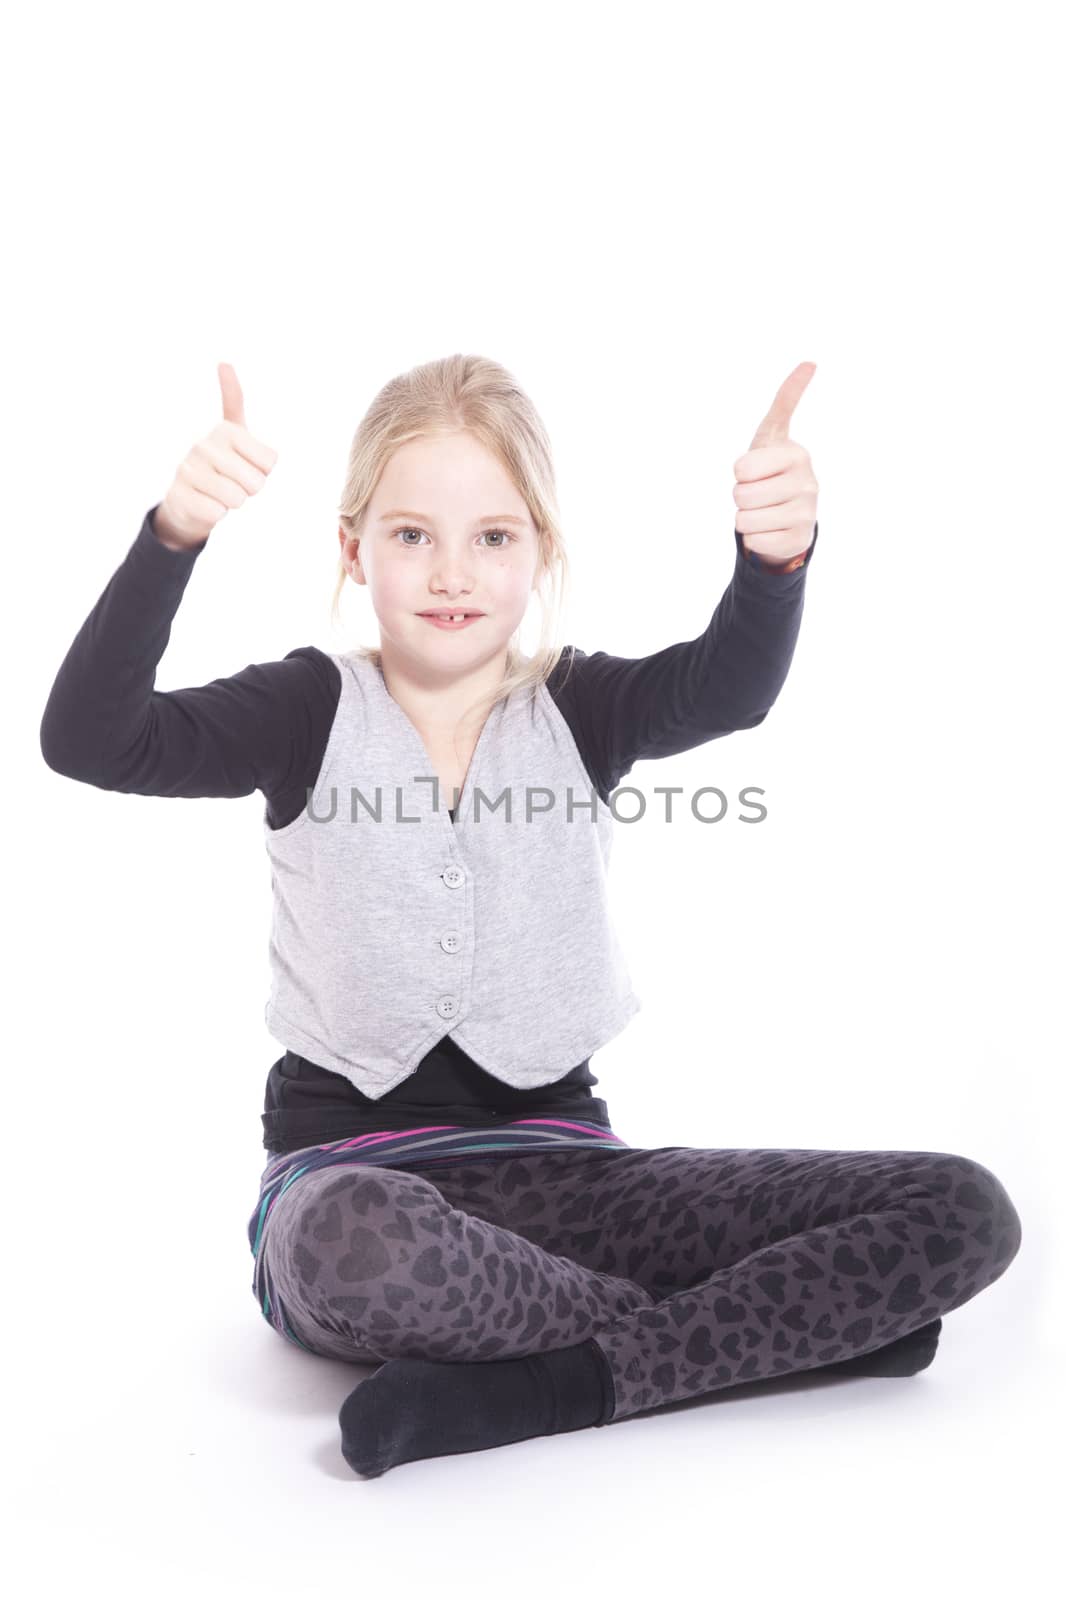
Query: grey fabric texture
[[392, 925]]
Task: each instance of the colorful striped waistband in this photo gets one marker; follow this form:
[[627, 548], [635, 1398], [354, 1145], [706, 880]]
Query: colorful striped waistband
[[418, 1147]]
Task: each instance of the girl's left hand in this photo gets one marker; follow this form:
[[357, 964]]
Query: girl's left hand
[[776, 489]]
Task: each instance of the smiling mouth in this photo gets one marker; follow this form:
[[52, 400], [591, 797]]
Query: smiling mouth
[[450, 616]]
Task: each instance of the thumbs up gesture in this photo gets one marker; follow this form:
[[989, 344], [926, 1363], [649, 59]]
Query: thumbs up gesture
[[776, 489], [218, 474]]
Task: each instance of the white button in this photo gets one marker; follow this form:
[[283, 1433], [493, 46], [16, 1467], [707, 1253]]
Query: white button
[[448, 1005], [450, 941], [453, 876]]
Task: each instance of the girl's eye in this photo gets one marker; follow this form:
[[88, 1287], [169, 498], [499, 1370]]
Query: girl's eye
[[412, 546]]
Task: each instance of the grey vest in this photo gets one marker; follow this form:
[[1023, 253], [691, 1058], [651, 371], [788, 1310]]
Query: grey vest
[[398, 927]]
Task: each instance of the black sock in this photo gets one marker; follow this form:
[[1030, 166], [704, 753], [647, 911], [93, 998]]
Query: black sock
[[409, 1409], [900, 1359]]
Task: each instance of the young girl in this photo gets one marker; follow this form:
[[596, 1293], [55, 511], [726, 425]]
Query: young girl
[[443, 1195]]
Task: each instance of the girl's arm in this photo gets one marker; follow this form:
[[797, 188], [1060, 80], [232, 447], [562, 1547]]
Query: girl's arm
[[641, 708], [106, 724]]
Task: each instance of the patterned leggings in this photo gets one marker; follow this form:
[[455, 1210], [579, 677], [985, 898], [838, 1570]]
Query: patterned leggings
[[692, 1269]]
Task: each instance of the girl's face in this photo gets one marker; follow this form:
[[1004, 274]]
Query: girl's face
[[445, 529]]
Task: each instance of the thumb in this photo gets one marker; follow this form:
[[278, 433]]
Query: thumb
[[773, 429], [232, 398]]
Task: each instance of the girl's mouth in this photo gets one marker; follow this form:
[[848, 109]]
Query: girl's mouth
[[445, 622]]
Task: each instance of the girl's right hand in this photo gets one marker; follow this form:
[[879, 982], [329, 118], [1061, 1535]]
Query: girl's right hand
[[217, 475]]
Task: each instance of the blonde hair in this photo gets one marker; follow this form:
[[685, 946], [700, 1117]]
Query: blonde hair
[[470, 394]]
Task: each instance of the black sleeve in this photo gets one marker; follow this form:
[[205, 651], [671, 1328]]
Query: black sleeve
[[104, 723], [624, 709]]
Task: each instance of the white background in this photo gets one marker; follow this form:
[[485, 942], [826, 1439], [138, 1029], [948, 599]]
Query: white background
[[649, 215]]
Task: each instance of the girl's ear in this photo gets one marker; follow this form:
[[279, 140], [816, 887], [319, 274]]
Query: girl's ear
[[347, 539]]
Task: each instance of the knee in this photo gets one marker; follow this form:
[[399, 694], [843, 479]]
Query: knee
[[1006, 1225], [981, 1204], [354, 1226], [343, 1256]]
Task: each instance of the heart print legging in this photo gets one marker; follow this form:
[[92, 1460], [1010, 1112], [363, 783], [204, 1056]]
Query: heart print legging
[[692, 1269]]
